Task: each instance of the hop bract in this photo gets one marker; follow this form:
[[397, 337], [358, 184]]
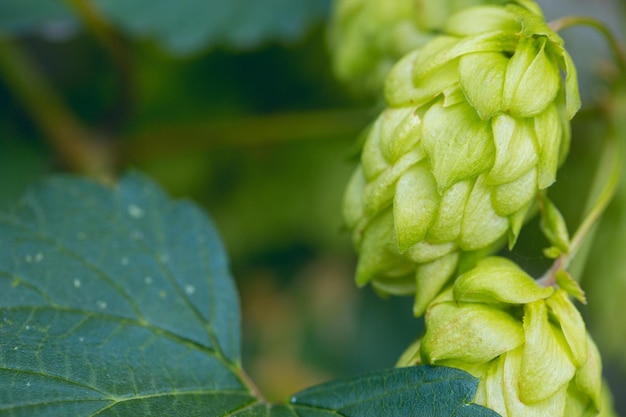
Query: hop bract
[[477, 124], [527, 344]]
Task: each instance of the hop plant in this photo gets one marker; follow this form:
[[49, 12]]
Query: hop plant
[[369, 36], [526, 343], [477, 125]]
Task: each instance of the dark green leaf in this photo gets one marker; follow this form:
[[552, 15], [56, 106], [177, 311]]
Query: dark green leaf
[[416, 391], [20, 16], [422, 391], [117, 302], [182, 26]]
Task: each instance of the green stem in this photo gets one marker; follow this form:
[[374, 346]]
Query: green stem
[[161, 141], [79, 149], [570, 21], [611, 157], [120, 56], [251, 385]]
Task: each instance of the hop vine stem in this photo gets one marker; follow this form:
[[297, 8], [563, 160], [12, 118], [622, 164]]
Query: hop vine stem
[[611, 157], [121, 58], [571, 21], [79, 148]]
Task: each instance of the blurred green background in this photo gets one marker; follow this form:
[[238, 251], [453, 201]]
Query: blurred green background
[[233, 104]]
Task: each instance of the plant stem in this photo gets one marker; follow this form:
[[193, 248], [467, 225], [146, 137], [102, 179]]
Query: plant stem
[[120, 55], [611, 157], [251, 385], [159, 141], [570, 21], [78, 147]]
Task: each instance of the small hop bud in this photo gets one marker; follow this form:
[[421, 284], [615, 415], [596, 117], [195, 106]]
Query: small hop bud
[[527, 344], [367, 37], [477, 125]]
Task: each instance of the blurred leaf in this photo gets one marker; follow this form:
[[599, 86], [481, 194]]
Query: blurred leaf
[[116, 302], [184, 26], [187, 26], [22, 16]]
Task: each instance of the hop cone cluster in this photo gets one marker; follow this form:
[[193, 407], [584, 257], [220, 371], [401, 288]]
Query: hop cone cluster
[[477, 125], [527, 344], [369, 36]]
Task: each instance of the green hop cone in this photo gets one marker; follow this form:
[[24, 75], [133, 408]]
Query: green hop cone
[[367, 37], [477, 125], [527, 344]]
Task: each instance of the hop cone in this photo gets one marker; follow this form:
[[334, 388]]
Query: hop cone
[[369, 36], [527, 344], [477, 124]]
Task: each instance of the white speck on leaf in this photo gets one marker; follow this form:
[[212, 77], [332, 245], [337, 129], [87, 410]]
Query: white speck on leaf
[[101, 304], [135, 212], [28, 258], [38, 257], [148, 280], [77, 283], [190, 289], [27, 327], [124, 261], [81, 339]]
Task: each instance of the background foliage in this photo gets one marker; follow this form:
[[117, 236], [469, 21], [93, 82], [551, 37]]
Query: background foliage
[[233, 105]]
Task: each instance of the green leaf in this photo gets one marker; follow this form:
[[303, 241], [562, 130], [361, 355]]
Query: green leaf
[[117, 302], [416, 391], [434, 391], [184, 26]]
